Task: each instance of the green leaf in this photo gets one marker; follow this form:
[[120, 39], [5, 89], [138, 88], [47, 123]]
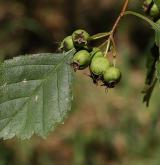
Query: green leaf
[[150, 75], [157, 2], [99, 36], [151, 63], [148, 92], [35, 94]]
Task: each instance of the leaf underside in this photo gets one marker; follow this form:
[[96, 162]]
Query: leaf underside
[[35, 94]]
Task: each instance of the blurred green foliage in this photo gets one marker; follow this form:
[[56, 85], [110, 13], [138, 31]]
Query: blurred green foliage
[[113, 128]]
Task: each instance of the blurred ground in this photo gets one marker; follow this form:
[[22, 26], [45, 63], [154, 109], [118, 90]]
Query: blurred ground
[[102, 129]]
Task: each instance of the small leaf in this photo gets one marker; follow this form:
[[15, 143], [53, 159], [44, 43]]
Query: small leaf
[[150, 75], [35, 94], [148, 92], [99, 36], [150, 65]]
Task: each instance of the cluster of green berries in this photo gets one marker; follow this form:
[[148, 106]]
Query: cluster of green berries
[[92, 57]]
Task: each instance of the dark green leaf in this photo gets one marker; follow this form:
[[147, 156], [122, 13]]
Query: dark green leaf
[[148, 92], [150, 65], [35, 94], [150, 75]]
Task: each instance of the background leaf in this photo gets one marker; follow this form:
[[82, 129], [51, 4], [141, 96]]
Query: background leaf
[[150, 81], [35, 94], [148, 89], [152, 59]]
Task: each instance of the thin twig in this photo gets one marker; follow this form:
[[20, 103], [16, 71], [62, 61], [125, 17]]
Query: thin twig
[[119, 18], [112, 32]]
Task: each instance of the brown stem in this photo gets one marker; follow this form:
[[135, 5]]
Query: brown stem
[[112, 32], [119, 18]]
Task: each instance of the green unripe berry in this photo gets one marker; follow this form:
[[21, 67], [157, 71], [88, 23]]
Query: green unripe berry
[[99, 65], [98, 54], [111, 76], [94, 51], [147, 2], [67, 44], [154, 11], [80, 38], [81, 60]]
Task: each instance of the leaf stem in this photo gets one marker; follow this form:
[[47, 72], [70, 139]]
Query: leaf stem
[[153, 24]]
